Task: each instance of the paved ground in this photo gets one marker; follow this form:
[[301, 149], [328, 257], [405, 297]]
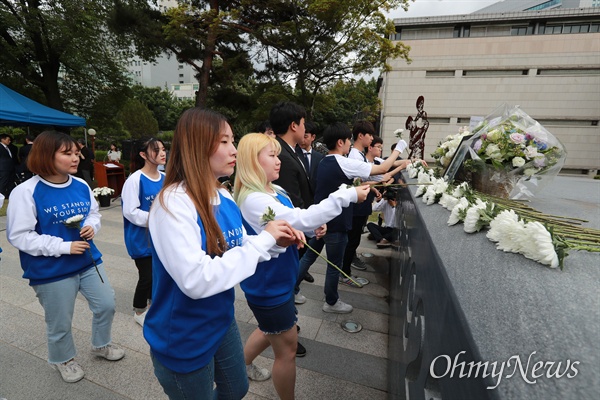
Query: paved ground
[[339, 365]]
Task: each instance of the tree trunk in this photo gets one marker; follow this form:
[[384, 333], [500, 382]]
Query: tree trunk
[[209, 54]]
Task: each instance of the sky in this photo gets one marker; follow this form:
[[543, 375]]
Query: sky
[[429, 8]]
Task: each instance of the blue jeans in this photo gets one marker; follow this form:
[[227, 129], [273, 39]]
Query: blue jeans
[[335, 245], [308, 259], [227, 369], [58, 301]]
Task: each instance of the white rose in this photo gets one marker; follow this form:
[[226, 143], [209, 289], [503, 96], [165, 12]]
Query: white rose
[[518, 162]]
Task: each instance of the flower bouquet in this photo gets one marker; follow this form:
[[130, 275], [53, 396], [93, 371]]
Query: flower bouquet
[[445, 151], [103, 195], [511, 154]]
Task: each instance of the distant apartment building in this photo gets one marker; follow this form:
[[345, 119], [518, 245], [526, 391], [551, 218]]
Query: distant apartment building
[[165, 72], [541, 55]]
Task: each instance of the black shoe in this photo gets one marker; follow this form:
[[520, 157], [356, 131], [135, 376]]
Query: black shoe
[[300, 351], [309, 278]]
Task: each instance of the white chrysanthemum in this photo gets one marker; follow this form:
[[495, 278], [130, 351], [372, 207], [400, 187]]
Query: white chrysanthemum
[[459, 191], [420, 190], [74, 219], [412, 171], [539, 247], [423, 177], [471, 219], [429, 196], [507, 231], [448, 201], [460, 205]]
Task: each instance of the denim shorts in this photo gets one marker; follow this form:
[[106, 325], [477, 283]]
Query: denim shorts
[[275, 319]]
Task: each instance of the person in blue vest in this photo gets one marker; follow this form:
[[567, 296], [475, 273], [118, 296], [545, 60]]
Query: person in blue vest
[[270, 291], [52, 219], [200, 251], [336, 169], [137, 196]]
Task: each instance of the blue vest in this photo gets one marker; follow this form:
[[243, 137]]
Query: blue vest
[[184, 334], [137, 238], [53, 207], [329, 178], [273, 282]]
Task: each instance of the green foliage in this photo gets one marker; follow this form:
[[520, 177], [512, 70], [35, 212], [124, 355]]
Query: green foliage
[[317, 42], [137, 119], [165, 107], [59, 49], [348, 102]]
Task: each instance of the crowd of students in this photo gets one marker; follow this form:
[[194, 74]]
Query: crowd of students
[[193, 241]]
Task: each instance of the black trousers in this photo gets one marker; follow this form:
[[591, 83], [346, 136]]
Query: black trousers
[[143, 290], [354, 235]]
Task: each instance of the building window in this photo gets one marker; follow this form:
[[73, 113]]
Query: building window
[[398, 34], [181, 75], [548, 4], [462, 31], [553, 30], [438, 74], [495, 72], [196, 86], [176, 87], [180, 81], [572, 71], [518, 31]]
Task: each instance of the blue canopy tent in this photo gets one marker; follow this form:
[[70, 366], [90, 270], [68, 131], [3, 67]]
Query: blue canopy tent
[[16, 109]]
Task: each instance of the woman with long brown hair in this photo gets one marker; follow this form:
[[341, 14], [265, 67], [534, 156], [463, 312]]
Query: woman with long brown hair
[[200, 252]]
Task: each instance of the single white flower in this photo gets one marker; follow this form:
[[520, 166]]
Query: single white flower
[[421, 190], [507, 231], [448, 201], [423, 177], [531, 152], [540, 247], [471, 219], [454, 215], [518, 162], [529, 172], [74, 219]]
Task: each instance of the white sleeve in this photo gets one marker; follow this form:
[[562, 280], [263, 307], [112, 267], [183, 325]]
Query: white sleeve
[[21, 219], [94, 216], [378, 205], [354, 168], [177, 240], [306, 220], [130, 195]]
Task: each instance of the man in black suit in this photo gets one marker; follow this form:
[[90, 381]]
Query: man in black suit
[[287, 121], [7, 166], [22, 169], [310, 156]]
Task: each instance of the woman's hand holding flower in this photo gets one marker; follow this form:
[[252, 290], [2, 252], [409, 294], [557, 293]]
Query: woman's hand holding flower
[[79, 247], [87, 232]]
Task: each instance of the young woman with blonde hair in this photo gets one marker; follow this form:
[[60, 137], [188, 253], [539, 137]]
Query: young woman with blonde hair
[[270, 291], [200, 252]]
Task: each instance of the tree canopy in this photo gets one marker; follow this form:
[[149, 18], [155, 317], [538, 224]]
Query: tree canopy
[[62, 49]]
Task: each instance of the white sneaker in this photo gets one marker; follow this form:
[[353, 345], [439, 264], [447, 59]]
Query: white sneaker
[[257, 374], [299, 299], [339, 307], [70, 371], [140, 318], [111, 352]]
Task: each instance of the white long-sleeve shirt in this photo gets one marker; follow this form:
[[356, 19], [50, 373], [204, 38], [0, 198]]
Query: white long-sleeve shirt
[[305, 220], [177, 240]]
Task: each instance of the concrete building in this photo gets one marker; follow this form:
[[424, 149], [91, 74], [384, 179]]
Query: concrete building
[[165, 72], [546, 60]]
